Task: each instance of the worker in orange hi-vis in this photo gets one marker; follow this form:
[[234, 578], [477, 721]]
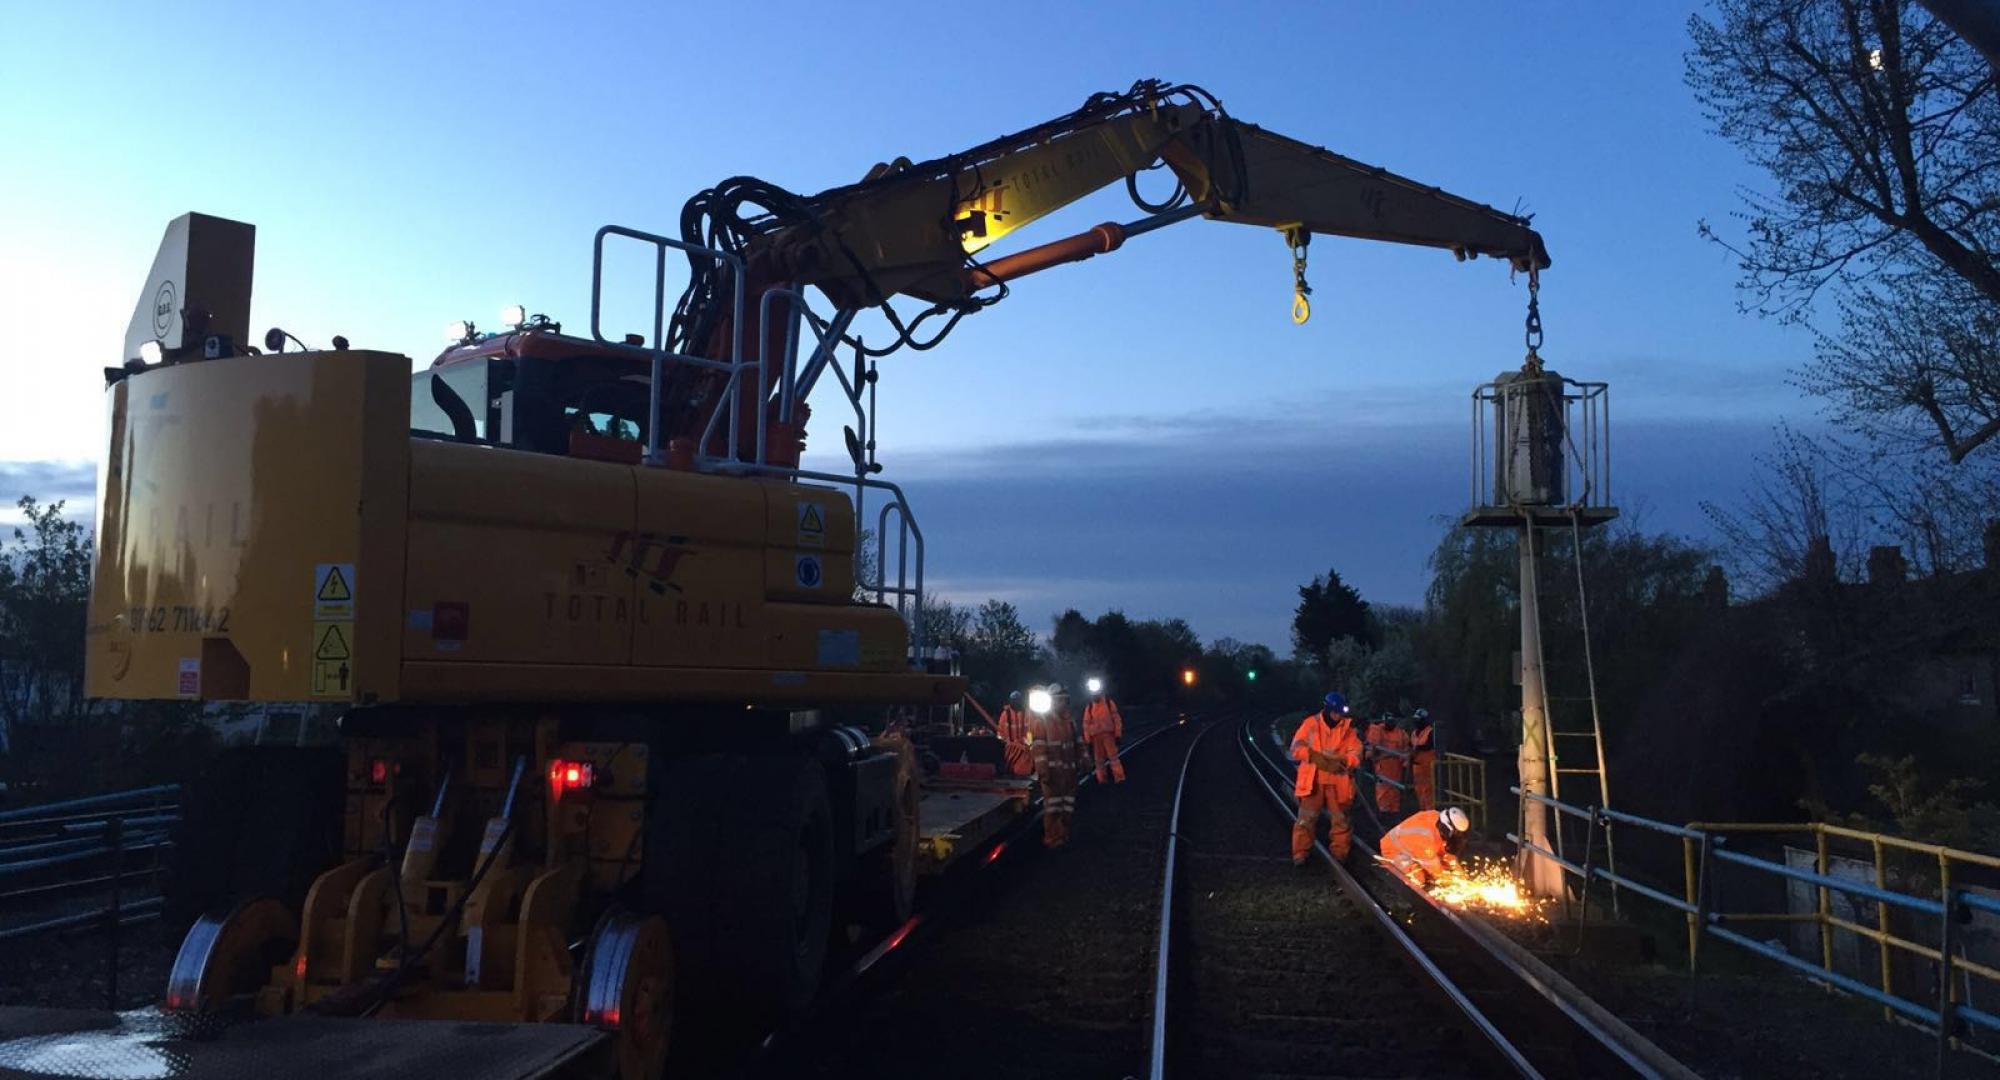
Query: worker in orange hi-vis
[[1371, 741], [1052, 742], [1014, 723], [1390, 747], [1419, 849], [1423, 759], [1328, 751], [1102, 728]]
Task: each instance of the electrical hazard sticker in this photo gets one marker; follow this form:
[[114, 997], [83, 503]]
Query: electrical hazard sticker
[[809, 572], [333, 591], [332, 659], [812, 525]]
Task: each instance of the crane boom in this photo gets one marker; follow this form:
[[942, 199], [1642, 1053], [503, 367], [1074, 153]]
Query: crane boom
[[1288, 182], [923, 230], [914, 229]]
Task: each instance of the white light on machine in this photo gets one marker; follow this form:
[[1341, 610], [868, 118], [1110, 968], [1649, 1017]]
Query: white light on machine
[[458, 331], [513, 315]]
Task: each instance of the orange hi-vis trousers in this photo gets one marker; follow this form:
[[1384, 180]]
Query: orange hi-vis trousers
[[1423, 767], [1324, 798], [1104, 747]]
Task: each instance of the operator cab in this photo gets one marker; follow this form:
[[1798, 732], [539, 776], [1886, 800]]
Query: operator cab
[[534, 388]]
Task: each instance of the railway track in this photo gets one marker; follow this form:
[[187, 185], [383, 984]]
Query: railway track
[[1259, 975], [1432, 993], [1021, 963], [1220, 960]]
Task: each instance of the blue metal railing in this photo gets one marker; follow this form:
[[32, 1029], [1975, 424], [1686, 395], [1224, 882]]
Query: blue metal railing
[[1707, 846]]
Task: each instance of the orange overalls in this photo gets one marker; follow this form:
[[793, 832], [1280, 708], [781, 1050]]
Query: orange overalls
[[1053, 746], [1423, 767], [1416, 849], [1371, 738], [1389, 767], [1320, 789], [1014, 732], [1102, 728]]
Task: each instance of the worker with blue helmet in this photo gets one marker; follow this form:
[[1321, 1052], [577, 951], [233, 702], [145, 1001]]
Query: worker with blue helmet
[[1328, 751]]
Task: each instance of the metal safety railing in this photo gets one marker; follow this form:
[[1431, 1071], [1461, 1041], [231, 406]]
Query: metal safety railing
[[103, 850], [779, 311], [1456, 779], [1461, 782], [1933, 917]]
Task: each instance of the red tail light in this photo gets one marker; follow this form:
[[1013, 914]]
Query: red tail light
[[378, 771], [568, 776]]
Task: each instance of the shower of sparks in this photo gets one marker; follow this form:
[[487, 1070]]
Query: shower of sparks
[[1488, 885]]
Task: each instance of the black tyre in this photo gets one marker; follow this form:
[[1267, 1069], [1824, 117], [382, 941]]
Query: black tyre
[[740, 861]]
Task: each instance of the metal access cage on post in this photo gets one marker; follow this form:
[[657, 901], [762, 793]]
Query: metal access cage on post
[[1551, 471]]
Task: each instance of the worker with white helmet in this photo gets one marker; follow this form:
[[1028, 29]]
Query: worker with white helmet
[[1052, 742], [1420, 849], [1103, 726]]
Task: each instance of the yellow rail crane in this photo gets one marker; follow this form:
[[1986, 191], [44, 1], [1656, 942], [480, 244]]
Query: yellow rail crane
[[619, 737]]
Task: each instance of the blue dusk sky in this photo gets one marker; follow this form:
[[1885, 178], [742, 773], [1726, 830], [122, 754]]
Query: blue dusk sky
[[1146, 431]]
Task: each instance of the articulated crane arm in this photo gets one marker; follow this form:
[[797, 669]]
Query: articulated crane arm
[[922, 230]]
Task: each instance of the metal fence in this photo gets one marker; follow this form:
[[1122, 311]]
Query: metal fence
[[1456, 780], [1918, 897], [86, 865]]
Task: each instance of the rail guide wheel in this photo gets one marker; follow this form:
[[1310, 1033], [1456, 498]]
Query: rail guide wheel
[[627, 988], [230, 952]]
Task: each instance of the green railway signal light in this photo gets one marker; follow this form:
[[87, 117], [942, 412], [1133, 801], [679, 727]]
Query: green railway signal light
[[1251, 675]]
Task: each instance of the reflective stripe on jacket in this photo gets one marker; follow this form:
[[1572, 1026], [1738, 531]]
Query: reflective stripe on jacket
[[1014, 725], [1336, 740], [1054, 738], [1416, 848]]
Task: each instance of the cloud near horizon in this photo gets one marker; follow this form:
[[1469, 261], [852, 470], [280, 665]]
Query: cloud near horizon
[[1210, 516]]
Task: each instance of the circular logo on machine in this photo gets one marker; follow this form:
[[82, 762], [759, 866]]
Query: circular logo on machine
[[165, 303], [809, 573]]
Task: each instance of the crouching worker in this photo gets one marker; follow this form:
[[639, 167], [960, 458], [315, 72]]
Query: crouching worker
[[1420, 849]]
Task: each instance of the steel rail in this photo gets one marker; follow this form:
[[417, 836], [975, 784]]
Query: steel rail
[[774, 1043], [1159, 1046], [1387, 924], [1605, 1029]]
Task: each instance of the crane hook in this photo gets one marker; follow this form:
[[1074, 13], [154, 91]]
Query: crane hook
[[1297, 237]]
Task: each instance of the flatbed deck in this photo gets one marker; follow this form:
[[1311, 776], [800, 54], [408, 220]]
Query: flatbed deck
[[956, 820], [145, 1043]]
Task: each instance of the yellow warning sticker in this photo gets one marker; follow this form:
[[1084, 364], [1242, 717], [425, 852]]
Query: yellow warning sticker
[[812, 524], [332, 659], [331, 640], [333, 591], [331, 678]]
